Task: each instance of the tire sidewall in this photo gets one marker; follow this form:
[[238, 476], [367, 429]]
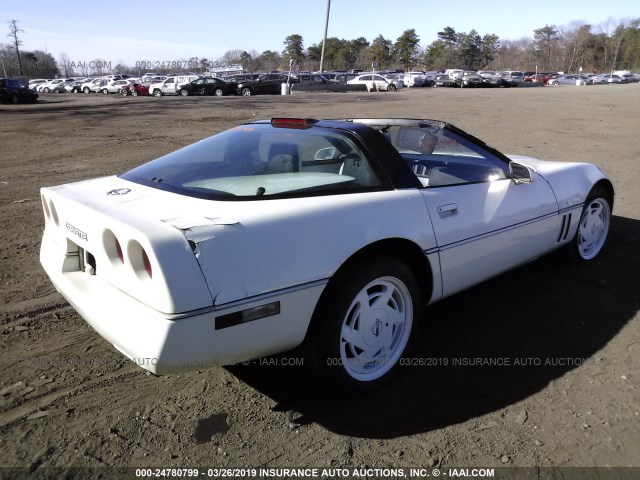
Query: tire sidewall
[[323, 343], [597, 192]]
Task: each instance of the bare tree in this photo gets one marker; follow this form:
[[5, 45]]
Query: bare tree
[[65, 65], [13, 34]]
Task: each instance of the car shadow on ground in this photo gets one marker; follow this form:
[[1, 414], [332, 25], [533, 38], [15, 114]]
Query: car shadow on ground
[[481, 350]]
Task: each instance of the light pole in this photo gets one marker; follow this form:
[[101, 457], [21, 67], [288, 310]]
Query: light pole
[[324, 42]]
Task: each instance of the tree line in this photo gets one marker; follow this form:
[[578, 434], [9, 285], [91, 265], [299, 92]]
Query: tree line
[[608, 46]]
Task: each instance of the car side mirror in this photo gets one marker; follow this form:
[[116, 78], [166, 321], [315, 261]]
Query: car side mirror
[[520, 173]]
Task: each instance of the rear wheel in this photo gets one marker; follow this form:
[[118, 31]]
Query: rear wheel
[[124, 92], [218, 92], [364, 324], [134, 93], [86, 90], [593, 227], [105, 91], [157, 93], [391, 87], [184, 93]]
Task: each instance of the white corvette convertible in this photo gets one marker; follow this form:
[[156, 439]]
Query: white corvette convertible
[[329, 234]]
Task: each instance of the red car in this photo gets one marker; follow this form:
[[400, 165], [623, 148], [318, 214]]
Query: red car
[[138, 89], [539, 77]]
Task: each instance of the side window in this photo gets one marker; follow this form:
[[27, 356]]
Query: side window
[[440, 157]]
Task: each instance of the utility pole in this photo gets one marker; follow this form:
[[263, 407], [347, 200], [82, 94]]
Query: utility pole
[[324, 42]]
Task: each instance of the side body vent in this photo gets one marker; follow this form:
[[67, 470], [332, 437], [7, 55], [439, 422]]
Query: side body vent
[[564, 227]]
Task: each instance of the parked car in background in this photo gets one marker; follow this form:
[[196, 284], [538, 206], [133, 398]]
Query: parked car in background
[[171, 85], [60, 88], [563, 80], [344, 77], [444, 80], [36, 82], [208, 86], [134, 89], [312, 78], [265, 84], [470, 79], [413, 79], [608, 78], [12, 91], [539, 78], [453, 73], [512, 75], [376, 82], [631, 78], [114, 86], [239, 77], [74, 87], [50, 85]]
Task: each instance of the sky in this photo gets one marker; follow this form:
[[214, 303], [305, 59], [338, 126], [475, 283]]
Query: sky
[[156, 31]]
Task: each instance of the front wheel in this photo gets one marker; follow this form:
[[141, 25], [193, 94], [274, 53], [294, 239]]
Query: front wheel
[[157, 93], [86, 90], [105, 91], [218, 92], [124, 92], [364, 324], [246, 92], [184, 93], [391, 88], [593, 227]]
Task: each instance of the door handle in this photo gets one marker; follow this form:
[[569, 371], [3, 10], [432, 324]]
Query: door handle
[[449, 208]]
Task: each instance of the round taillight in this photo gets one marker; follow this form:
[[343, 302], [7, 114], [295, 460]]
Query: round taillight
[[139, 260], [112, 248], [54, 213], [46, 208], [147, 264], [119, 251]]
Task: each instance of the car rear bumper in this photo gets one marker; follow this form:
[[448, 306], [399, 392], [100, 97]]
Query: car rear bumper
[[168, 343]]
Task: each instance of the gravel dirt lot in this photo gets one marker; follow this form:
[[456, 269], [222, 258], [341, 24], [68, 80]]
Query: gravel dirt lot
[[569, 394]]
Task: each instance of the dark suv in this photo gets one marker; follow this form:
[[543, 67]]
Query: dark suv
[[12, 91]]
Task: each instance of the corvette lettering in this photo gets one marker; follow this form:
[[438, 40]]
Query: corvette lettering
[[77, 232]]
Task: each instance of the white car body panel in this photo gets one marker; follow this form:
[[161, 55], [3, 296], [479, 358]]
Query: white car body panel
[[480, 238]]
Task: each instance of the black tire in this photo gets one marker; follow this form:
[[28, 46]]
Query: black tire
[[246, 92], [593, 228], [391, 88], [358, 362], [134, 93], [218, 92], [46, 90], [14, 99], [86, 90], [105, 91], [124, 92], [184, 93], [157, 93]]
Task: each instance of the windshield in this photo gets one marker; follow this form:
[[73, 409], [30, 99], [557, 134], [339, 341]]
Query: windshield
[[261, 161]]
